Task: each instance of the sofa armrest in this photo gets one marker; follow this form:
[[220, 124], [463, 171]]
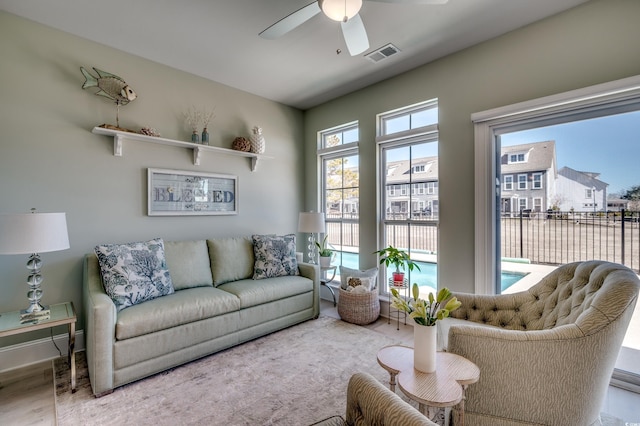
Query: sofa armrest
[[312, 272], [100, 325]]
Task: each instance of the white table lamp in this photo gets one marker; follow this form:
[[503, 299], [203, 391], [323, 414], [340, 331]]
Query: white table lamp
[[33, 233], [311, 223]]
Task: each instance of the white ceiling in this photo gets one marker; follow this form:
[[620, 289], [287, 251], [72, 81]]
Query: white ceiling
[[218, 39]]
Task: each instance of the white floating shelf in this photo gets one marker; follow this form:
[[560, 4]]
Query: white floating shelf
[[119, 137]]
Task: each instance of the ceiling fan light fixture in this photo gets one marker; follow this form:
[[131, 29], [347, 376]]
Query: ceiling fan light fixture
[[340, 10]]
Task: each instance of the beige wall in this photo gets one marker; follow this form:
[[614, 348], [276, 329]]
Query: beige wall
[[49, 159], [590, 44]]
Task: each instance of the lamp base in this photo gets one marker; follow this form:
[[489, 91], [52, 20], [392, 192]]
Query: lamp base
[[35, 314]]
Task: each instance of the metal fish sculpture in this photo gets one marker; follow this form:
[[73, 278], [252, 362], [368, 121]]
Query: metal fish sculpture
[[111, 86]]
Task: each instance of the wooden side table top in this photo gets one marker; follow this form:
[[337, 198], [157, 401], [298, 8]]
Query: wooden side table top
[[442, 388]]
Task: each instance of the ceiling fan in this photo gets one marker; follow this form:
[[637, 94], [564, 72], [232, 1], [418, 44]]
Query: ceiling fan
[[343, 11]]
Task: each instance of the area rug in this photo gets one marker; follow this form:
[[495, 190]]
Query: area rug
[[296, 376]]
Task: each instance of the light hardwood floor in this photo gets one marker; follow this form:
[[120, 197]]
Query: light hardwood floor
[[27, 394]]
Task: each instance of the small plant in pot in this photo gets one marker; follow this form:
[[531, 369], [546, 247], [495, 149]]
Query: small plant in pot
[[392, 256], [325, 253]]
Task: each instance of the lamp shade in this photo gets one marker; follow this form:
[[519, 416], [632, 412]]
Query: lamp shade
[[25, 233], [311, 222]]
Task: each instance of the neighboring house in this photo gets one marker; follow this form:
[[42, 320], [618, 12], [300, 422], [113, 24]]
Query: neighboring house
[[580, 191], [413, 188], [528, 175], [617, 204]]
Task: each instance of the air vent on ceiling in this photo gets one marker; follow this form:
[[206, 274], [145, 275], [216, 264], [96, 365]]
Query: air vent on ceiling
[[383, 53]]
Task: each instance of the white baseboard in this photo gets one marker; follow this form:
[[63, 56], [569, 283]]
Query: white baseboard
[[35, 351]]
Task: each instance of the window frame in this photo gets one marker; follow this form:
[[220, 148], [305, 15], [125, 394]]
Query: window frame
[[594, 101], [331, 153]]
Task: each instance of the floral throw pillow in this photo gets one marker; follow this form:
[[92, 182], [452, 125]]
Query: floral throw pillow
[[275, 256], [135, 272]]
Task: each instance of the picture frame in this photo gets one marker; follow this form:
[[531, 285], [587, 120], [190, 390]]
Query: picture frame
[[186, 193]]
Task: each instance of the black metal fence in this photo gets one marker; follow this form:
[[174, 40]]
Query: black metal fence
[[556, 237]]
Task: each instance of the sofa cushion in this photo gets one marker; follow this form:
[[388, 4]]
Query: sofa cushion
[[182, 307], [370, 274], [133, 273], [275, 256], [251, 293], [188, 262], [231, 259]]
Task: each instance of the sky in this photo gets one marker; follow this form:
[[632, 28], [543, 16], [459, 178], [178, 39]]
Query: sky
[[607, 145]]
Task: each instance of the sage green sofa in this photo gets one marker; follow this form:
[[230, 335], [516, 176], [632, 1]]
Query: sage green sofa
[[216, 305]]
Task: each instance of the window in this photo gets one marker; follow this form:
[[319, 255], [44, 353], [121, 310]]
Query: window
[[522, 204], [522, 182], [400, 120], [537, 181], [516, 158], [508, 183], [431, 187], [340, 192], [607, 118], [537, 205], [338, 136], [407, 142]]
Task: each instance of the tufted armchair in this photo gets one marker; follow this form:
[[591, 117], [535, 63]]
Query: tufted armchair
[[545, 355]]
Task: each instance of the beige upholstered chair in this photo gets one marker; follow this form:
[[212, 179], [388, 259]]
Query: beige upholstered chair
[[370, 403], [545, 355]]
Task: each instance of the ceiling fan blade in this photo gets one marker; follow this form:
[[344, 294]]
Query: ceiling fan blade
[[291, 21], [355, 35], [412, 1]]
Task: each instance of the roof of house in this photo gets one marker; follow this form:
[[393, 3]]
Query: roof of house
[[398, 171], [587, 179], [542, 157]]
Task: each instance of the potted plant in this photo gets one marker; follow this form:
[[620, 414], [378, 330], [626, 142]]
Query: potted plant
[[398, 258], [325, 253]]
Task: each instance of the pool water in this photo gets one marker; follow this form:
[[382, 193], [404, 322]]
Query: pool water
[[428, 273]]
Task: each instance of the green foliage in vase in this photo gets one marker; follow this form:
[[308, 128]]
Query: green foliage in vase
[[426, 312]]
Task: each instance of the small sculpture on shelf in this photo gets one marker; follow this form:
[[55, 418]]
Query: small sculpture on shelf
[[112, 87], [241, 144], [149, 131], [257, 141]]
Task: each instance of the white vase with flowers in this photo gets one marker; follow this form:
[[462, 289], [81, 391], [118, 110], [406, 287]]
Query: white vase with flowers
[[425, 313]]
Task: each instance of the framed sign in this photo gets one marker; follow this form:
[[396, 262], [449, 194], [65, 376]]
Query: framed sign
[[184, 193]]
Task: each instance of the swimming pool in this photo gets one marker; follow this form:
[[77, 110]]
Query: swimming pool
[[428, 273]]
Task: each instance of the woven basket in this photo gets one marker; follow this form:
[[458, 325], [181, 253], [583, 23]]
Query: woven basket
[[359, 308]]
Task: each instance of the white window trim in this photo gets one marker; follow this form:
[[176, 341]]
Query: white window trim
[[488, 124], [538, 181], [533, 206], [524, 186], [510, 182]]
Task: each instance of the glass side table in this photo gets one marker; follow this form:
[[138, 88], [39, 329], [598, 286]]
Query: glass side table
[[324, 280], [61, 314]]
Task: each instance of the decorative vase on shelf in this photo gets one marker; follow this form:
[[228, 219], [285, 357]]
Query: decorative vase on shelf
[[424, 348], [195, 138], [205, 137], [257, 141]]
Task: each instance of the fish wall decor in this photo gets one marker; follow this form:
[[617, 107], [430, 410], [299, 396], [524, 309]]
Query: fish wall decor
[[110, 86]]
